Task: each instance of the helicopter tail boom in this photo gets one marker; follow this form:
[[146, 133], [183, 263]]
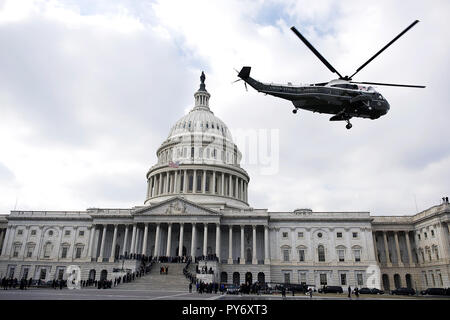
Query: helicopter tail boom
[[244, 74]]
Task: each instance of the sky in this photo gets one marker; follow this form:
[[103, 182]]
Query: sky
[[90, 89]]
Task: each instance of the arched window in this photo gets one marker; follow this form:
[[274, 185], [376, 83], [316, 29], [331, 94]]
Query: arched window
[[48, 249], [321, 253]]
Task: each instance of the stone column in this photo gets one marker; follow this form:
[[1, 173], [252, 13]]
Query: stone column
[[230, 244], [193, 242], [180, 243], [204, 181], [136, 243], [91, 241], [242, 245], [133, 239], [230, 185], [254, 258], [386, 249], [185, 182], [397, 247], [222, 191], [160, 184], [175, 182], [144, 245], [5, 241], [205, 239], [167, 182], [194, 182], [113, 247], [236, 188], [125, 240], [156, 253], [213, 190], [266, 245], [102, 245], [218, 241], [375, 246], [408, 246], [169, 239], [242, 189]]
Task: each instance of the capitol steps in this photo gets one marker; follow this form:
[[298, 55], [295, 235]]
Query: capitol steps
[[173, 281]]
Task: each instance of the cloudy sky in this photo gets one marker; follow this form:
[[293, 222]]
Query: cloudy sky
[[90, 89]]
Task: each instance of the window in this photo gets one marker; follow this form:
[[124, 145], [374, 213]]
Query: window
[[287, 278], [285, 235], [339, 234], [418, 236], [78, 252], [64, 252], [341, 254], [323, 279], [303, 277], [319, 234], [19, 232], [432, 233], [30, 250], [48, 250], [301, 255], [321, 253], [192, 152], [359, 279], [425, 234], [60, 274], [355, 234], [300, 235], [286, 255], [357, 254], [16, 250], [67, 233], [50, 233], [81, 233], [33, 232], [343, 279], [43, 274]]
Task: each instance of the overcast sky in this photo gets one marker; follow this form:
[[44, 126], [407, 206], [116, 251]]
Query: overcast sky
[[90, 89]]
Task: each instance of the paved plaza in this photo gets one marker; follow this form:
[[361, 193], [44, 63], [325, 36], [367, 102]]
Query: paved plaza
[[129, 294]]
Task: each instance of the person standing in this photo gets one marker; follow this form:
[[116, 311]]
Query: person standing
[[357, 292], [349, 292]]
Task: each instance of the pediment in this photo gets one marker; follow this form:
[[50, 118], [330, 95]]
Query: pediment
[[176, 206]]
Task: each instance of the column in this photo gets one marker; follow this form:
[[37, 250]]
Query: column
[[236, 188], [150, 182], [375, 246], [136, 242], [266, 245], [397, 247], [91, 242], [230, 244], [169, 239], [167, 182], [180, 243], [5, 241], [102, 245], [144, 245], [254, 259], [160, 184], [133, 239], [2, 231], [242, 189], [193, 242], [242, 246], [113, 247], [125, 240], [175, 185], [194, 184], [213, 190], [204, 181], [156, 253], [386, 249], [222, 191], [185, 182], [218, 241], [230, 185], [408, 246], [205, 239]]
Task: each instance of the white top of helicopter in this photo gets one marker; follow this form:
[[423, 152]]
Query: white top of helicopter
[[332, 83]]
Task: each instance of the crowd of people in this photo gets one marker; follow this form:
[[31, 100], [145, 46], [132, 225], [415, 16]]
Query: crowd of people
[[209, 257], [204, 270]]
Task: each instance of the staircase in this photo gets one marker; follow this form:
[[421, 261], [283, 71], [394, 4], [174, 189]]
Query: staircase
[[173, 281]]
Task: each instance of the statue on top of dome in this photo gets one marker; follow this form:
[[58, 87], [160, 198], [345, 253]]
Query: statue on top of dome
[[202, 84]]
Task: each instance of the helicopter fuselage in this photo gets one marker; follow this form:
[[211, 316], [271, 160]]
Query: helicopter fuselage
[[338, 97]]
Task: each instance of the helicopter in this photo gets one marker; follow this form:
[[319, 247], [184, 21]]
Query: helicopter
[[341, 97]]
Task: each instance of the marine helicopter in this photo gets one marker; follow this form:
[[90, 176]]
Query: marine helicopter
[[341, 97]]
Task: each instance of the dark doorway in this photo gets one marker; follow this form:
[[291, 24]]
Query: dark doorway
[[261, 277], [92, 274], [386, 284], [224, 277], [103, 275], [236, 278], [248, 278]]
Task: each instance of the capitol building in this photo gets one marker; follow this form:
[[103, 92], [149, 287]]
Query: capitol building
[[197, 205]]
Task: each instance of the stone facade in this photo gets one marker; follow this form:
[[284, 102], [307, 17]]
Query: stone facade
[[197, 204]]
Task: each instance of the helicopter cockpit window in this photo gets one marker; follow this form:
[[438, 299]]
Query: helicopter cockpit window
[[345, 86]]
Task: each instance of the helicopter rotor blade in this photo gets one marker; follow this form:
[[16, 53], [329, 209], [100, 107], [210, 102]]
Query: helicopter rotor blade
[[384, 48], [245, 84], [236, 80], [389, 84], [318, 55]]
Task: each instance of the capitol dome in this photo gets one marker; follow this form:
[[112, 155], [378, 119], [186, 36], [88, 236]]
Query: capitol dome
[[199, 161]]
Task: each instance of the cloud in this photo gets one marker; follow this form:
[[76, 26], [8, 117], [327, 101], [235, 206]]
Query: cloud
[[90, 90]]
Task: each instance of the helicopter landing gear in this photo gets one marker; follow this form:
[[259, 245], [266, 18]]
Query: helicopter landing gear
[[349, 125], [294, 111]]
